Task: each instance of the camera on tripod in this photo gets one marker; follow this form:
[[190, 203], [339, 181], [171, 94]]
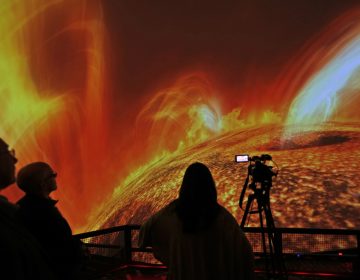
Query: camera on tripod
[[259, 180]]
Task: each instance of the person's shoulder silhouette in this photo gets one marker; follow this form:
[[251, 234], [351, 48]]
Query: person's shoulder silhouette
[[38, 212], [21, 257], [195, 237]]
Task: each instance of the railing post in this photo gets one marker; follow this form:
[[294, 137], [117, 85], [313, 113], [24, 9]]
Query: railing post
[[278, 241], [356, 262], [358, 244], [128, 245]]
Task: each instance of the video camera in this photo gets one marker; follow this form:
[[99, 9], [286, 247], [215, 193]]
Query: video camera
[[258, 169]]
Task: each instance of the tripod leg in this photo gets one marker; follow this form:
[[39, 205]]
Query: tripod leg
[[263, 239], [269, 216], [270, 228], [275, 245], [246, 213]]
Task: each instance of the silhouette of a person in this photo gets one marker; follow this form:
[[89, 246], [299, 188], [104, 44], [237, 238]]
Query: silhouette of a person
[[195, 237], [21, 257], [41, 217]]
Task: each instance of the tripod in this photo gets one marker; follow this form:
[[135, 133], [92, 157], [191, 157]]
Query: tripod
[[261, 194]]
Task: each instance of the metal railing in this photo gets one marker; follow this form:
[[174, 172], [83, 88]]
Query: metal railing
[[119, 241]]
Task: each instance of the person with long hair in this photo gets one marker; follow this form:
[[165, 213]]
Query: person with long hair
[[195, 237]]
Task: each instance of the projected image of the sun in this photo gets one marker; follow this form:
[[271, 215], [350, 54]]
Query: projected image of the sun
[[121, 97], [315, 144]]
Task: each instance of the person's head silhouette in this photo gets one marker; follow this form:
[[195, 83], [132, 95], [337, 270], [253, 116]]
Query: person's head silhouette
[[197, 203], [198, 186], [37, 178], [7, 165]]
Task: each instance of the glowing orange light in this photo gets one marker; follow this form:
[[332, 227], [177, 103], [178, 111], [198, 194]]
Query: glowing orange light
[[56, 106], [182, 115], [66, 127]]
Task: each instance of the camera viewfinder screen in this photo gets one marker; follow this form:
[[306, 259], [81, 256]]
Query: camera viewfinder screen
[[241, 158]]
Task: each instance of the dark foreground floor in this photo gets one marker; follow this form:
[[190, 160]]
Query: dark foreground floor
[[100, 268]]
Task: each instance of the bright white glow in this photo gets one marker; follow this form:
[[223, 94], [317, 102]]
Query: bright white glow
[[318, 99], [209, 118]]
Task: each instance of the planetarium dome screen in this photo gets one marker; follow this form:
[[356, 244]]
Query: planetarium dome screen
[[121, 96]]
